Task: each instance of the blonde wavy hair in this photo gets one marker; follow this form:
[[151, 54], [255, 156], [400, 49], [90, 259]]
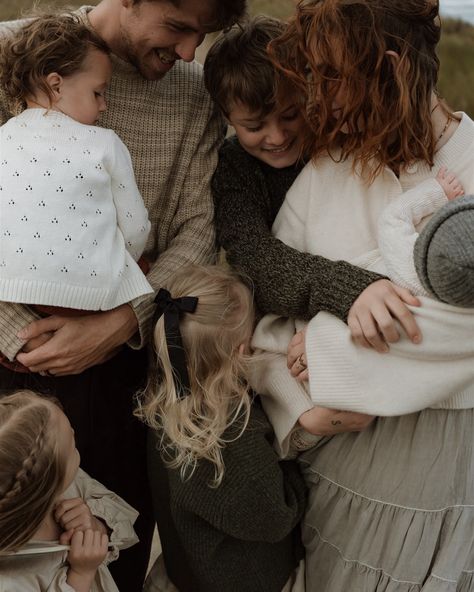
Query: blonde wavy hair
[[31, 470], [193, 428]]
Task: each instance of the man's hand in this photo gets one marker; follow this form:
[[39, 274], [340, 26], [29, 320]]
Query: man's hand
[[74, 514], [77, 343], [372, 318], [328, 422]]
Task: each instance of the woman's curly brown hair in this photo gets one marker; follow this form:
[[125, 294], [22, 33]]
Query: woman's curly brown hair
[[45, 44], [342, 45]]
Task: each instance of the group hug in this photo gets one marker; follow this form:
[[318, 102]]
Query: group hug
[[236, 301]]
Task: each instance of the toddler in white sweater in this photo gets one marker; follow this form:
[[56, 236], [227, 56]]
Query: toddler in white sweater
[[73, 223]]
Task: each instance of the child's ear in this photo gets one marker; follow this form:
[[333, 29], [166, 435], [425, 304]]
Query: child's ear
[[54, 81], [242, 348]]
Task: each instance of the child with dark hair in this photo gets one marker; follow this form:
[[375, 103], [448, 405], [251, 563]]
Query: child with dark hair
[[256, 168]]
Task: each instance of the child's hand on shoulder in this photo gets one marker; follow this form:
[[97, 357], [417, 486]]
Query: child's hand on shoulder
[[450, 184], [74, 514]]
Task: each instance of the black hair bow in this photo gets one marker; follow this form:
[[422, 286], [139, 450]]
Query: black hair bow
[[171, 309]]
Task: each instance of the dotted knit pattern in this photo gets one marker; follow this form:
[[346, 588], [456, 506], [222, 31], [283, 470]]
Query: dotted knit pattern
[[72, 221], [172, 132]]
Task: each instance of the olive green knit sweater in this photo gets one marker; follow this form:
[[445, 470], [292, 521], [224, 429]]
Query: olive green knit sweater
[[242, 536]]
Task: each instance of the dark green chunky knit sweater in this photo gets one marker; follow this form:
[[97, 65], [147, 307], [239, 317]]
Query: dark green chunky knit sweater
[[242, 536], [248, 194]]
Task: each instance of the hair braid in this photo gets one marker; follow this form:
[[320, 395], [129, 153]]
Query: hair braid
[[31, 470]]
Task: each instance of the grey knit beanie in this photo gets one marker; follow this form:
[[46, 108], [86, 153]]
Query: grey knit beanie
[[444, 253]]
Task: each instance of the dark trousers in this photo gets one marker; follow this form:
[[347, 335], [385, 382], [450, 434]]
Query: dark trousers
[[112, 443], [174, 555]]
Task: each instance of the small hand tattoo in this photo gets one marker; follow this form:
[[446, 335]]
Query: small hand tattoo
[[336, 422]]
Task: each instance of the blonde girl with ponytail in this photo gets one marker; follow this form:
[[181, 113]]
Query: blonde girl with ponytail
[[234, 505]]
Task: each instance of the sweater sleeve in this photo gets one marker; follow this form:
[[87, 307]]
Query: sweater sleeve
[[397, 233], [112, 509], [13, 318], [286, 282], [193, 224], [132, 216], [435, 373]]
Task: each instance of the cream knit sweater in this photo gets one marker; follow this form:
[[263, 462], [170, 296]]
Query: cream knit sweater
[[172, 132], [439, 372], [72, 222]]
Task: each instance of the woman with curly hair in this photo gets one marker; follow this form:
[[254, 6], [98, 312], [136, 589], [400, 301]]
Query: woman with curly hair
[[391, 508]]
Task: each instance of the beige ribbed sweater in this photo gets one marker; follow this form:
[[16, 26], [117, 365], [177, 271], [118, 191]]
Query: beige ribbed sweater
[[172, 133]]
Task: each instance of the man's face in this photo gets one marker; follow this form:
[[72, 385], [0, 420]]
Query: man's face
[[156, 33]]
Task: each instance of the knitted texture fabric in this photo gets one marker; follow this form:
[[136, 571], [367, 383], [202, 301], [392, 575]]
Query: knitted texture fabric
[[241, 536], [444, 253], [73, 223], [248, 195], [172, 132]]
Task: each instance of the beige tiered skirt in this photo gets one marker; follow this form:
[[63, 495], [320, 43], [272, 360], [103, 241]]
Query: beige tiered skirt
[[391, 509]]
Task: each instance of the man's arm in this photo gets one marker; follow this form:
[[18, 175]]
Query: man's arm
[[192, 233], [286, 282]]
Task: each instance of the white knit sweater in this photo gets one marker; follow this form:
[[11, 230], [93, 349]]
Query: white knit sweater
[[330, 211], [72, 221]]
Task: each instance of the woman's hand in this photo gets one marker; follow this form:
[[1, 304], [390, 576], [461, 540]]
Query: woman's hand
[[296, 356], [328, 422], [372, 318]]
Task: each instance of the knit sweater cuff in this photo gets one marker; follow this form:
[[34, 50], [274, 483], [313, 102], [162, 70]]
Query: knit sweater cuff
[[13, 318], [144, 308], [284, 401]]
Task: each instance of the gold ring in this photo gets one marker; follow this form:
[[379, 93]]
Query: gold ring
[[301, 362]]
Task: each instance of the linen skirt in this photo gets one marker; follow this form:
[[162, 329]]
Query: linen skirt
[[391, 509]]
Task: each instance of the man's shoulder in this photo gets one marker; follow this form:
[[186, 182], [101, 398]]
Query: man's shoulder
[[188, 74]]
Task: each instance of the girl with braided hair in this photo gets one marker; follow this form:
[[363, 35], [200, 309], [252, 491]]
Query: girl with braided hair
[[55, 521]]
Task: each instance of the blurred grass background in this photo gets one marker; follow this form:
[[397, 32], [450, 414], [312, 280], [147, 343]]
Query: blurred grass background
[[456, 50]]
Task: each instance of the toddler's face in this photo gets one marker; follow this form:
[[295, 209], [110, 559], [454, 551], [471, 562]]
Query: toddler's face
[[81, 95], [274, 139]]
